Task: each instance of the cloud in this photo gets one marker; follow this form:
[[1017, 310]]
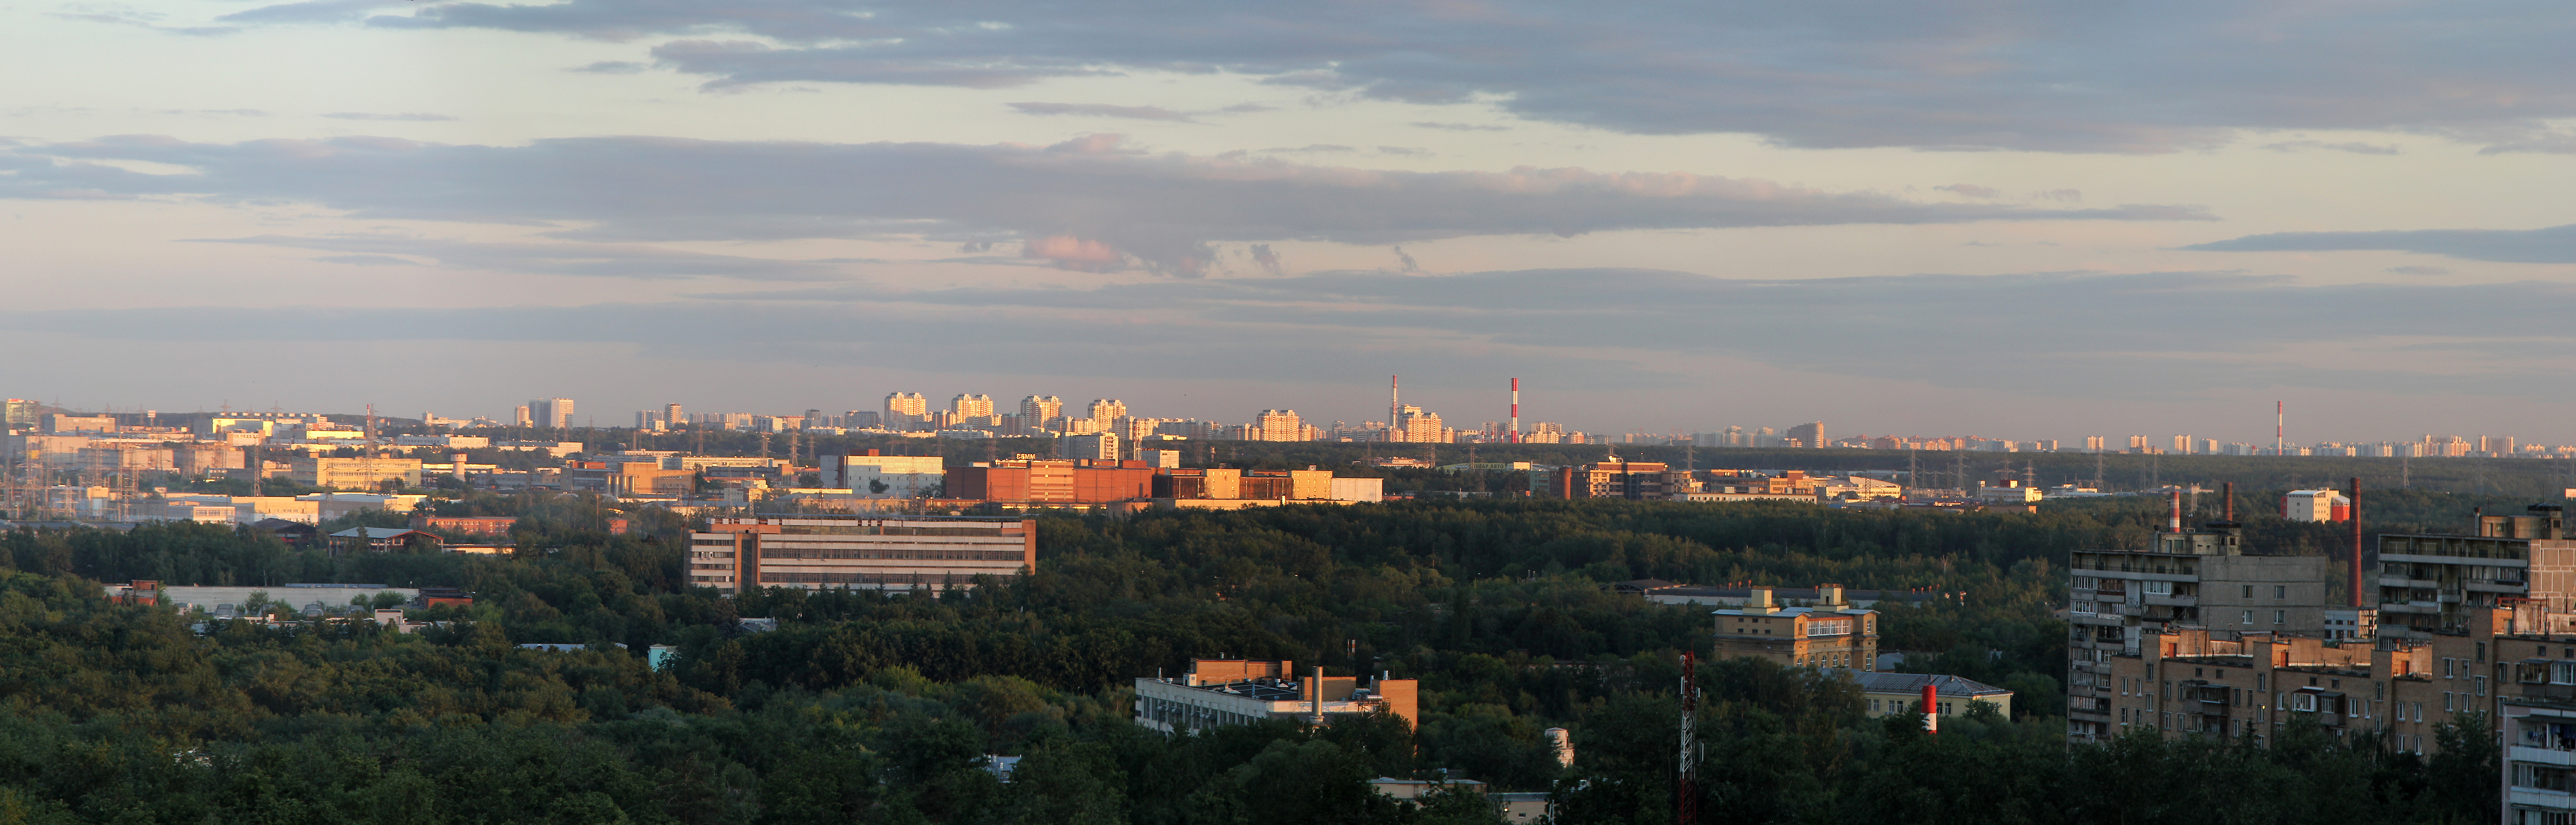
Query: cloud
[[1968, 74], [1460, 127], [410, 116], [1161, 211], [1248, 108], [609, 67], [1268, 260], [1103, 110], [368, 260], [2552, 245], [125, 16], [2355, 148], [566, 259], [1972, 190], [2420, 270], [1409, 266], [2059, 195]]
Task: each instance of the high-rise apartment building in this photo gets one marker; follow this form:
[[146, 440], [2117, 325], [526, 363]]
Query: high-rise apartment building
[[971, 405], [2092, 443], [551, 412], [2123, 600], [1810, 434], [1417, 426], [1279, 425], [2182, 445], [2426, 582], [906, 410], [1105, 413], [520, 418], [1039, 412], [18, 412], [672, 415]]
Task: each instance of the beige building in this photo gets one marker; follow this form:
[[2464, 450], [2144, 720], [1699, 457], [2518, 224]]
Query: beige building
[[1104, 414], [355, 473], [906, 411], [1830, 633], [1279, 425]]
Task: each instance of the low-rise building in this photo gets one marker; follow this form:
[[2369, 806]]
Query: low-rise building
[[1828, 633], [382, 540], [1217, 692], [355, 473], [871, 553], [1886, 694], [1045, 482]]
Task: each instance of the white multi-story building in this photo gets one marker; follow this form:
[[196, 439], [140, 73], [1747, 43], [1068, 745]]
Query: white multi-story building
[[816, 553]]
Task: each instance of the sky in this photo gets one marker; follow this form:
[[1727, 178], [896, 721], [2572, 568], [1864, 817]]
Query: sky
[[1957, 217]]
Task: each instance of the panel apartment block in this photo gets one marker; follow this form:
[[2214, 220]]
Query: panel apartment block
[[816, 553], [2120, 598]]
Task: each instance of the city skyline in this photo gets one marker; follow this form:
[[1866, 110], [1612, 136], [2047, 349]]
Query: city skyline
[[1462, 420]]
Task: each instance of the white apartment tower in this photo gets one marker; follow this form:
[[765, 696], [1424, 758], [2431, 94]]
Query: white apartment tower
[[905, 410], [1037, 411], [1279, 425], [550, 412], [1105, 413]]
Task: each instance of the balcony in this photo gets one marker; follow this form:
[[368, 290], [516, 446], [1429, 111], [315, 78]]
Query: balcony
[[2411, 584], [2174, 601]]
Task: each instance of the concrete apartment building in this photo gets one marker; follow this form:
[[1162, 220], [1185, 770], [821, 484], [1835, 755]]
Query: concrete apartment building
[[2118, 599], [2427, 582], [1217, 692], [1828, 633], [819, 552]]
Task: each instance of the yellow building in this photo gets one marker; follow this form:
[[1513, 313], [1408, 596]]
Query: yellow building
[[1829, 633], [355, 473]]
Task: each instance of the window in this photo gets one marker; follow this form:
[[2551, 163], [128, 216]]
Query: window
[[2280, 617], [2482, 685], [2562, 673], [2258, 682], [2249, 617], [2303, 701], [2157, 588], [2446, 702], [2249, 591], [2446, 668], [2280, 591]]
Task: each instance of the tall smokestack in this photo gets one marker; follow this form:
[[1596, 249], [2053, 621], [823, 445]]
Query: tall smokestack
[[2355, 512], [1931, 708], [2173, 511], [2228, 490], [1516, 411], [1392, 385], [2277, 443]]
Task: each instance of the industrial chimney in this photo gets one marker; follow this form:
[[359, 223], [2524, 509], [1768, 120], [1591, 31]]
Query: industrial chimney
[[2173, 511], [1931, 708], [2355, 508]]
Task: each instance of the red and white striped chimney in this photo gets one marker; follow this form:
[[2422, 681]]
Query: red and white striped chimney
[[2173, 511], [1931, 708]]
